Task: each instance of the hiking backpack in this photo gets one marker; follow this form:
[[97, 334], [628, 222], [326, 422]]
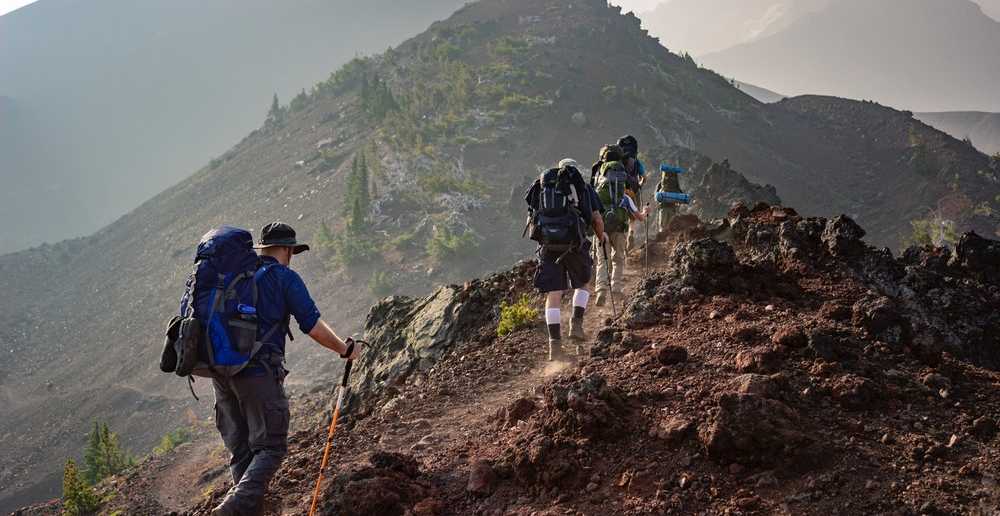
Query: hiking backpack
[[607, 154], [555, 220], [611, 187], [216, 332]]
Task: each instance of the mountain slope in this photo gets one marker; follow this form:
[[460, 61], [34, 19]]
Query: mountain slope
[[138, 94], [454, 124], [924, 55], [982, 128]]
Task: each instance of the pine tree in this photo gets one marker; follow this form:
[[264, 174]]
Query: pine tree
[[78, 497], [362, 185], [92, 459], [324, 239], [103, 455], [275, 114], [358, 220]]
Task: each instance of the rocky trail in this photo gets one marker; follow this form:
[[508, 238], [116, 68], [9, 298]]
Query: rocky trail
[[770, 364]]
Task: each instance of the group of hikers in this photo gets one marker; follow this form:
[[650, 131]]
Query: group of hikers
[[574, 221], [238, 304]]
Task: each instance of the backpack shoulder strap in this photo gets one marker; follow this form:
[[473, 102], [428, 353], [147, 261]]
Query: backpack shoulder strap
[[286, 323]]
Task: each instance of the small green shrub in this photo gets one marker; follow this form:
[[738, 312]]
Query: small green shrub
[[352, 249], [516, 101], [510, 47], [403, 242], [381, 284], [438, 183], [933, 232], [445, 245], [610, 92], [516, 316], [172, 440]]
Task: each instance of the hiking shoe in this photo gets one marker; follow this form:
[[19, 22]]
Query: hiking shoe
[[224, 509], [601, 298], [576, 330], [555, 350]]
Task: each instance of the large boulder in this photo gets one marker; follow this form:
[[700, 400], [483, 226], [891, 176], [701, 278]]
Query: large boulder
[[749, 428], [408, 336]]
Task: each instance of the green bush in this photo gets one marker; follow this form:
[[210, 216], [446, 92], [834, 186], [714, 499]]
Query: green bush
[[403, 242], [445, 245], [510, 47], [381, 284], [172, 440], [352, 249], [516, 316], [933, 232], [78, 498], [516, 101], [438, 183], [610, 92]]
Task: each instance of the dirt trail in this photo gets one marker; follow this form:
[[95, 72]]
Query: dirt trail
[[201, 466], [444, 437], [444, 421]]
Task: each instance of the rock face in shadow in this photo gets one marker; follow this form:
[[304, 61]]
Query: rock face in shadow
[[409, 336]]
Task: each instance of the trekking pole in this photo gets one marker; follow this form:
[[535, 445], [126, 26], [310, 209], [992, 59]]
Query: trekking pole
[[333, 428], [607, 269], [645, 225]]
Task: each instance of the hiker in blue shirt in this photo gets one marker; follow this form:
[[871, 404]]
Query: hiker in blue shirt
[[251, 408], [637, 172]]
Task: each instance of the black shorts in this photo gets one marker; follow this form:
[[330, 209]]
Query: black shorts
[[574, 270]]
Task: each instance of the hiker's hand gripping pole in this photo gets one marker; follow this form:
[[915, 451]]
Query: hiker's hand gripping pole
[[333, 421]]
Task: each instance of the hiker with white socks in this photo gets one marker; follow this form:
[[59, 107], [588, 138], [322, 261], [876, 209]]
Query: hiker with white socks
[[563, 209]]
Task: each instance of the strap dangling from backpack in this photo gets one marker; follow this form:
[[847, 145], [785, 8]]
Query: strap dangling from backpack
[[191, 388]]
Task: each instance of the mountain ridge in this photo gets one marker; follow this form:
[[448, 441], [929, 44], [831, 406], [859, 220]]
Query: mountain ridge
[[813, 56], [980, 127]]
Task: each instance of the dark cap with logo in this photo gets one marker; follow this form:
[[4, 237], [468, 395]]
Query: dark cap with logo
[[279, 234]]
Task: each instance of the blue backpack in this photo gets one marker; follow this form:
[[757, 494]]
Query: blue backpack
[[216, 332]]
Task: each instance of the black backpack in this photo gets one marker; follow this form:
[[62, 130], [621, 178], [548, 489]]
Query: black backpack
[[556, 222]]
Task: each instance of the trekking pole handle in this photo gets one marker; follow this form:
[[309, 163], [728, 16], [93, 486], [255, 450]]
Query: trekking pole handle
[[347, 367], [347, 373]]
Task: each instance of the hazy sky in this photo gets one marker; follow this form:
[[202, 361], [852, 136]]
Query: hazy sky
[[7, 6]]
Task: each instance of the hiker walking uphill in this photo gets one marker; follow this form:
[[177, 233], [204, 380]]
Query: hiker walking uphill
[[234, 318], [670, 184], [615, 188], [637, 179], [563, 209]]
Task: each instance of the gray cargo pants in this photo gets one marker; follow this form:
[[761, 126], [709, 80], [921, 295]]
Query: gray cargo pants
[[251, 413]]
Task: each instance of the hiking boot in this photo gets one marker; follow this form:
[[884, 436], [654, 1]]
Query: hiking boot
[[555, 350], [601, 299], [576, 330], [224, 509]]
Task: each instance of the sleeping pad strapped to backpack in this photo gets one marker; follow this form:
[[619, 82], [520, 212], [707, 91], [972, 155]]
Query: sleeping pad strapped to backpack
[[216, 331]]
